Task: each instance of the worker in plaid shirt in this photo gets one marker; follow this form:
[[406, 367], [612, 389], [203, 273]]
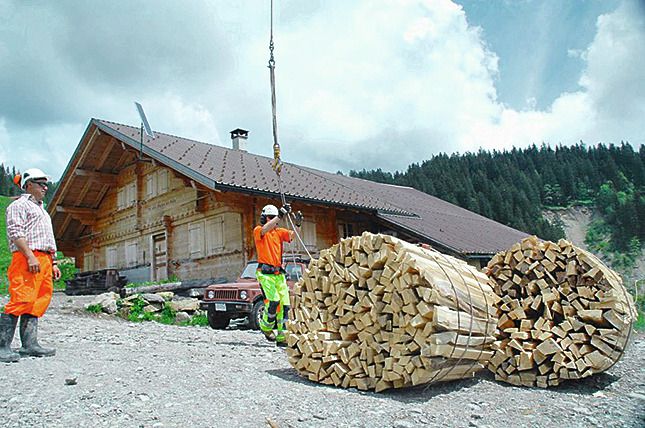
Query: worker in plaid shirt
[[32, 269]]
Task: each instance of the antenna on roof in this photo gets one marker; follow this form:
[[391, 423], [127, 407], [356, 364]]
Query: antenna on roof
[[144, 125]]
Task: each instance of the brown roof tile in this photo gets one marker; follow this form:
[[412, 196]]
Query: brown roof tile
[[425, 215]]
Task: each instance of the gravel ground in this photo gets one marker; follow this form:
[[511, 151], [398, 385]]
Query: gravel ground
[[153, 375]]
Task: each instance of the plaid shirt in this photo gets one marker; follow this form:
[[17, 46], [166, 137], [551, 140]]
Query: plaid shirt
[[27, 218]]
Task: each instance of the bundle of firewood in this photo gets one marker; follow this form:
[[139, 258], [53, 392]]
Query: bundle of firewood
[[562, 314], [375, 312]]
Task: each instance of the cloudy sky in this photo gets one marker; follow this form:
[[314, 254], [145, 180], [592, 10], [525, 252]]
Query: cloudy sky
[[360, 84]]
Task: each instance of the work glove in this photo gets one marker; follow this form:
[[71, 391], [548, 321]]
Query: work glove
[[286, 209], [297, 218]]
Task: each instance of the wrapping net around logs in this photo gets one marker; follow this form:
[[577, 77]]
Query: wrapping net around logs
[[375, 312], [562, 315]]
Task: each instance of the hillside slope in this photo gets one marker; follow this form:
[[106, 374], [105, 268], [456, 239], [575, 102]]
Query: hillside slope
[[575, 222], [514, 187], [5, 254]]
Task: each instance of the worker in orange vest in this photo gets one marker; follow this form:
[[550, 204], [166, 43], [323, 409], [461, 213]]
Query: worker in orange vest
[[32, 270], [269, 239]]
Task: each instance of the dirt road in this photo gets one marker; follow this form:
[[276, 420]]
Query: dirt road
[[152, 375]]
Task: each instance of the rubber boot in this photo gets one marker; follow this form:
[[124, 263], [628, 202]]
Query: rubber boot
[[268, 335], [29, 338], [267, 329], [7, 329], [281, 339], [267, 322]]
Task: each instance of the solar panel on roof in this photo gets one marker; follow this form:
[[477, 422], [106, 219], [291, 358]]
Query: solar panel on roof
[[144, 120]]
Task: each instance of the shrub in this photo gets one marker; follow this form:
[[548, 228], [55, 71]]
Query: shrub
[[67, 269], [137, 313], [640, 305], [167, 315], [200, 320], [94, 309], [172, 278]]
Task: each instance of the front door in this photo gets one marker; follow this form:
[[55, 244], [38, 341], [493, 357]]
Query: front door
[[159, 258]]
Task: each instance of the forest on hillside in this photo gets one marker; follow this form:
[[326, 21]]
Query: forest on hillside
[[514, 187], [8, 188]]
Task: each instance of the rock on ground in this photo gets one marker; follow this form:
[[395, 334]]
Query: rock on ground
[[110, 372]]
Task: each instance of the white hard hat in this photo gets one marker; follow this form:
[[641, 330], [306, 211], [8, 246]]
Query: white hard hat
[[32, 174], [270, 210]]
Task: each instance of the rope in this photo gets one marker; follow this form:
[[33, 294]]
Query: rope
[[277, 162]]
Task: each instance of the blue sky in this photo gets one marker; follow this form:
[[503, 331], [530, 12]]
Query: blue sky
[[534, 41], [361, 84]]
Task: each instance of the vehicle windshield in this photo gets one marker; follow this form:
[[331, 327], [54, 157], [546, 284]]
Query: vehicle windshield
[[249, 271], [294, 271]]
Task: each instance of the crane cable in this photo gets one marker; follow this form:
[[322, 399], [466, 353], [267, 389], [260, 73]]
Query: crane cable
[[277, 162]]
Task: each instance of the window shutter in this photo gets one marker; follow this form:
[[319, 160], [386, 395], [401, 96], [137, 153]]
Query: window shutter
[[120, 199], [131, 251], [309, 233], [162, 182], [110, 257], [150, 186], [196, 239], [88, 262], [215, 235], [132, 194]]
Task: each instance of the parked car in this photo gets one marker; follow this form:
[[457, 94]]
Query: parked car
[[244, 298]]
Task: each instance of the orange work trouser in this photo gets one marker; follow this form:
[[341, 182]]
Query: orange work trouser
[[30, 292]]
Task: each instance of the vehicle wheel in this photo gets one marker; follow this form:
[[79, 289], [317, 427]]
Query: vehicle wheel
[[256, 314], [217, 320]]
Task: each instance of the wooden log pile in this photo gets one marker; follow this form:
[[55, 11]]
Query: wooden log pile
[[374, 312], [95, 282], [562, 315]]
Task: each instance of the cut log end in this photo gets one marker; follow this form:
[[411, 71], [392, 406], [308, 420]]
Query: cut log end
[[563, 315], [375, 313]]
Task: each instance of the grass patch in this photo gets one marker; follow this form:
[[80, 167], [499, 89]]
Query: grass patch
[[167, 315], [172, 278], [639, 325], [196, 320], [94, 309], [138, 314], [640, 305], [68, 270], [5, 254]]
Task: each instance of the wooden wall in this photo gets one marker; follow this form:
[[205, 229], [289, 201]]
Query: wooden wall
[[208, 234], [180, 213]]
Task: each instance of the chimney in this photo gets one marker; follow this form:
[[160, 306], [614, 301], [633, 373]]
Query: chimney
[[238, 137]]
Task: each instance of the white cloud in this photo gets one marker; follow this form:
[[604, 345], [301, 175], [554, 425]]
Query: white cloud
[[4, 142], [193, 121], [575, 53], [418, 73], [609, 108], [359, 84], [48, 148]]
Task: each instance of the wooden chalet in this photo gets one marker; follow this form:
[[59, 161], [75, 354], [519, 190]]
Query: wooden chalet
[[174, 206]]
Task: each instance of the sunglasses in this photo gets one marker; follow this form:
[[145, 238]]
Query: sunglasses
[[42, 184]]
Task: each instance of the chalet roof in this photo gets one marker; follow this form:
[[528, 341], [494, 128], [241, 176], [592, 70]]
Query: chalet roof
[[222, 168], [217, 166]]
